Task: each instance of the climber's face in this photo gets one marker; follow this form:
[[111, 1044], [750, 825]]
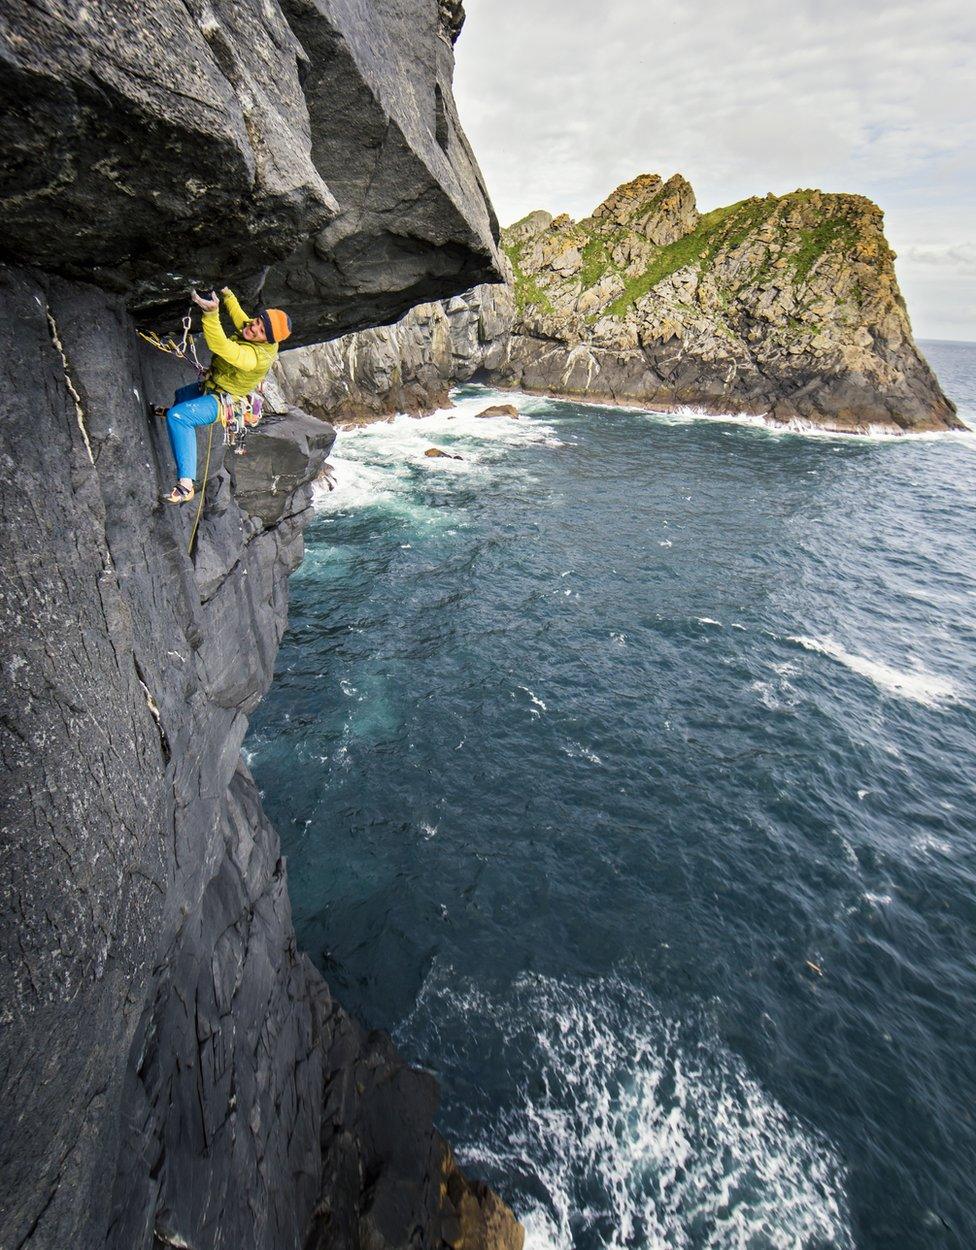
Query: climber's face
[[254, 331]]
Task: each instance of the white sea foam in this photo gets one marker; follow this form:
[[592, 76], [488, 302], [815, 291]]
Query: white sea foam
[[376, 465], [621, 1127], [926, 843], [577, 751], [685, 414], [372, 464], [460, 428], [355, 485], [798, 426], [917, 684], [778, 694], [536, 701], [707, 620]]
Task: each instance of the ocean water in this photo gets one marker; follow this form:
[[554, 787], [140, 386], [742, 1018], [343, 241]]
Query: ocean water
[[625, 772]]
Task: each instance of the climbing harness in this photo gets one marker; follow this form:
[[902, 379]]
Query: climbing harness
[[238, 413]]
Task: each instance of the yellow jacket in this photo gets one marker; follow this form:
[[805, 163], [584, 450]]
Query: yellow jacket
[[238, 367]]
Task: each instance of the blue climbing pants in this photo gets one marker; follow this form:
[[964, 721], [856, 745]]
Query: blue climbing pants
[[193, 407]]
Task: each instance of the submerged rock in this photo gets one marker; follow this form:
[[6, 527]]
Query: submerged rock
[[435, 453]]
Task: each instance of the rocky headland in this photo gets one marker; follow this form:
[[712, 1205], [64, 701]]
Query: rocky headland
[[784, 307], [173, 1070]]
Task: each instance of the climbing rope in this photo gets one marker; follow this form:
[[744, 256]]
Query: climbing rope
[[203, 490], [185, 350]]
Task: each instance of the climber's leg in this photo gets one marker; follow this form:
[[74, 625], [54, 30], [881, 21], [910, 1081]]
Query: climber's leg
[[190, 410]]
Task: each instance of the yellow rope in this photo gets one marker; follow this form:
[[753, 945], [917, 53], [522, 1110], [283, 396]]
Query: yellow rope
[[203, 491], [167, 345]]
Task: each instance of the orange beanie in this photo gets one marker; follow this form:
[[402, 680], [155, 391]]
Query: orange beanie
[[277, 324]]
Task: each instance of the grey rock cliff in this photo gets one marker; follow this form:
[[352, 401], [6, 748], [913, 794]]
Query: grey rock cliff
[[407, 367], [173, 1071]]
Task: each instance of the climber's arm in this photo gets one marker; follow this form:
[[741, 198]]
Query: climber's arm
[[235, 311], [242, 355]]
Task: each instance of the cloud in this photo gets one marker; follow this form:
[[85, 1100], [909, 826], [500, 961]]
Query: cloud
[[959, 256], [564, 99]]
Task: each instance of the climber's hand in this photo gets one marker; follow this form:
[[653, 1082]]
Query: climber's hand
[[225, 290], [208, 303]]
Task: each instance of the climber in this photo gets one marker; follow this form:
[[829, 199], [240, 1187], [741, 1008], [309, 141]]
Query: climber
[[238, 368]]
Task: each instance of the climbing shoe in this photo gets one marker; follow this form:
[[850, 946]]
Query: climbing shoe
[[179, 494]]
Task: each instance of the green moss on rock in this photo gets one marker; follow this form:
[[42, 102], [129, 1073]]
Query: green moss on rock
[[832, 235], [723, 229]]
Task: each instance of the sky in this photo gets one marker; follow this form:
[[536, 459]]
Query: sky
[[565, 99]]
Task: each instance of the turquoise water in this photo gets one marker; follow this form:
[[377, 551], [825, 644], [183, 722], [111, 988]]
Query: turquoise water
[[624, 769]]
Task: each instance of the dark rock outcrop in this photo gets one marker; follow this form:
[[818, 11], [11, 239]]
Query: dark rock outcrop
[[499, 410], [407, 367], [173, 1070], [308, 152]]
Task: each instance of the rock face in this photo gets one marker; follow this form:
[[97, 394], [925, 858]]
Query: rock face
[[173, 1071], [499, 410], [784, 307], [307, 152]]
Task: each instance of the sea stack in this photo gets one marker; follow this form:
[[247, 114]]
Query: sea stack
[[783, 306]]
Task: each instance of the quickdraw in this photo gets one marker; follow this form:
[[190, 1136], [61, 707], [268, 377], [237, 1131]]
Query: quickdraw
[[238, 413], [185, 349]]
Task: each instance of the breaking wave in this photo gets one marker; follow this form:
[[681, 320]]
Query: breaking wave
[[624, 1127], [372, 464]]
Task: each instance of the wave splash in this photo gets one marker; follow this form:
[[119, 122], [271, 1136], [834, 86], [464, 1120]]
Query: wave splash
[[918, 684], [376, 464], [622, 1127]]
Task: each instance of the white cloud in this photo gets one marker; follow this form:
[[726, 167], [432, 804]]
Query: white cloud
[[960, 256], [564, 99]]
